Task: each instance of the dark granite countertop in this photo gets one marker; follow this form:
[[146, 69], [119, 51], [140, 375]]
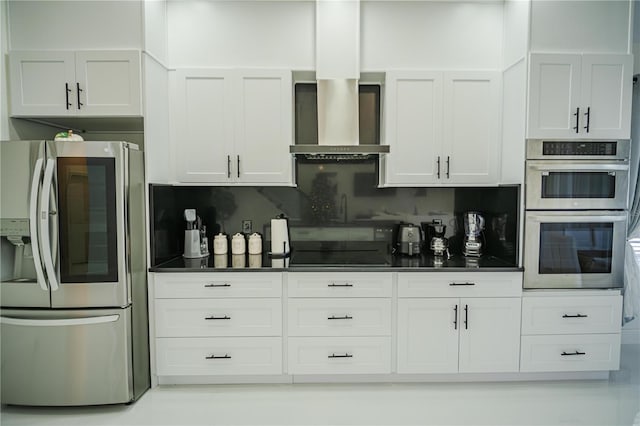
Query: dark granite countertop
[[263, 263]]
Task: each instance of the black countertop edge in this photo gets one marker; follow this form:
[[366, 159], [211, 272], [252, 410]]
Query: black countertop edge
[[342, 269]]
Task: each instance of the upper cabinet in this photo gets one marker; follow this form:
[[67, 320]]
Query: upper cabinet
[[232, 126], [442, 128], [81, 83], [580, 96]]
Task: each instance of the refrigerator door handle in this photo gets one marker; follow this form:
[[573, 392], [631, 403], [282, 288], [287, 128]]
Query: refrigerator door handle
[[45, 199], [33, 224], [58, 322]]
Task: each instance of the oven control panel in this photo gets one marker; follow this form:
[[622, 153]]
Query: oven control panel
[[579, 148]]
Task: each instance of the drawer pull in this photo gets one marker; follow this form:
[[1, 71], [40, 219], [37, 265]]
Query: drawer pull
[[225, 356], [574, 316], [466, 317], [333, 317], [217, 285], [573, 353], [213, 317], [340, 285], [458, 284], [346, 355], [455, 317]]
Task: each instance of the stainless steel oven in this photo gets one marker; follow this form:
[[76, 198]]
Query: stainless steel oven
[[577, 175], [574, 249]]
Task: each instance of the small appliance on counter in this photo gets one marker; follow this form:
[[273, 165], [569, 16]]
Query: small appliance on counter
[[195, 236], [473, 227], [434, 232], [408, 239]]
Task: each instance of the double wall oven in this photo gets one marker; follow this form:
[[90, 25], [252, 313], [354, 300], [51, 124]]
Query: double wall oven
[[576, 218]]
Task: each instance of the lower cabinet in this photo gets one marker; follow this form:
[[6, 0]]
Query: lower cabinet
[[450, 335]]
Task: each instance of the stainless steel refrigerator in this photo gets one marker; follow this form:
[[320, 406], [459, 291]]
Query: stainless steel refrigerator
[[73, 290]]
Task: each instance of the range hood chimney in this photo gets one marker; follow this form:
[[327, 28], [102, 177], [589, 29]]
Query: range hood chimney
[[337, 74]]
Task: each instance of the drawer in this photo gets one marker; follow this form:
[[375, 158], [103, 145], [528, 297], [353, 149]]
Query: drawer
[[460, 284], [218, 317], [218, 356], [217, 284], [339, 284], [339, 355], [339, 317], [570, 352], [571, 315]]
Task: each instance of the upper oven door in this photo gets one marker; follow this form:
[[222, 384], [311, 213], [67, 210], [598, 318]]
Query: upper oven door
[[574, 249], [580, 185]]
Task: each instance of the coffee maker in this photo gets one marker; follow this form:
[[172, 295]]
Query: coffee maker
[[438, 244], [473, 227]]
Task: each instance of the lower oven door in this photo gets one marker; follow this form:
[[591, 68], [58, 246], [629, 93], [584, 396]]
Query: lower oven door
[[560, 185], [574, 249]]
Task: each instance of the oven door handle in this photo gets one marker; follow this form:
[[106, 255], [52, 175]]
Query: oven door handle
[[570, 166]]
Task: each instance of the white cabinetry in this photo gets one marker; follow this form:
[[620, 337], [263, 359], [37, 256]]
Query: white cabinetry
[[82, 83], [450, 323], [218, 324], [571, 331], [232, 126], [339, 323], [580, 96], [442, 127]]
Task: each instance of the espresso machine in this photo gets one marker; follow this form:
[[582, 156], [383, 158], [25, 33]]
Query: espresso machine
[[473, 241]]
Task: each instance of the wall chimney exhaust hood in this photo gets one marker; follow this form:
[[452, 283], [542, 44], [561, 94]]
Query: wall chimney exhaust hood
[[337, 74]]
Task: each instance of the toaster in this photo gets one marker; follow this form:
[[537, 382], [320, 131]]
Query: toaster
[[409, 239]]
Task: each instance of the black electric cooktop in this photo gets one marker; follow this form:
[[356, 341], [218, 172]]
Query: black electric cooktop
[[340, 253]]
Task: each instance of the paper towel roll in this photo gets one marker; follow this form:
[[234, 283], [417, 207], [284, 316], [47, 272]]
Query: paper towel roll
[[280, 236]]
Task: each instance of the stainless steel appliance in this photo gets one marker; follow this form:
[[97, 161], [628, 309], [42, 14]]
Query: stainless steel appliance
[[434, 234], [473, 227], [582, 175], [73, 286], [409, 239], [574, 249]]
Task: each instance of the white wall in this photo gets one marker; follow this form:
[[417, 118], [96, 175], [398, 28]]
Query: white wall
[[516, 37], [580, 26], [155, 29], [156, 120], [75, 25]]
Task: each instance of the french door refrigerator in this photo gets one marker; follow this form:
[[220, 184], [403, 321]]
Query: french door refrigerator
[[73, 291]]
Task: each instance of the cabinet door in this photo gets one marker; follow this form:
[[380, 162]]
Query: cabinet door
[[606, 96], [204, 115], [489, 335], [413, 110], [264, 127], [39, 82], [108, 83], [471, 153], [428, 335], [554, 96]]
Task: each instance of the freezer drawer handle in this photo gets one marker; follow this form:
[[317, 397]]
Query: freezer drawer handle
[[59, 322], [225, 356], [346, 355], [333, 317], [217, 285], [573, 353], [466, 283], [340, 285], [575, 316], [213, 317]]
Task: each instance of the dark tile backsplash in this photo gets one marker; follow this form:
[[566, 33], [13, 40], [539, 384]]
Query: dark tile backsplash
[[332, 194]]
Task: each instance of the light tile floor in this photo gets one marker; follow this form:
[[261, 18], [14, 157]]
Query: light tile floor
[[599, 402]]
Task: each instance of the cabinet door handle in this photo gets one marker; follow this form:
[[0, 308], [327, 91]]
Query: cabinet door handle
[[66, 93], [346, 355], [225, 356], [213, 317], [333, 317], [438, 163], [465, 283], [577, 114], [217, 285], [228, 167], [588, 114], [466, 317], [572, 353], [238, 165], [455, 317], [340, 285], [575, 316], [448, 164], [78, 90]]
